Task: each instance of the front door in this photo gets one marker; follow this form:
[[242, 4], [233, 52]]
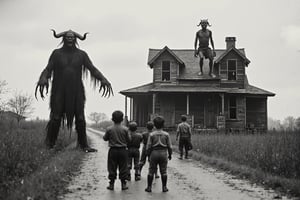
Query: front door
[[210, 106]]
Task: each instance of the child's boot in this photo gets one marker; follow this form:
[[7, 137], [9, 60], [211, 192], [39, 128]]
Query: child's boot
[[149, 181], [164, 179], [111, 185], [123, 185]]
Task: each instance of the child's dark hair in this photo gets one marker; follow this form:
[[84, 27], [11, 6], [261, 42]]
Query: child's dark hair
[[183, 118], [132, 126], [159, 122], [117, 116], [150, 125]]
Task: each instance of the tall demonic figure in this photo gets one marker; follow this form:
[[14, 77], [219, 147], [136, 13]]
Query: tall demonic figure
[[204, 35], [65, 67]]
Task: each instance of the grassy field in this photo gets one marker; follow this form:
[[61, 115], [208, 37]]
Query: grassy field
[[28, 169], [274, 158]]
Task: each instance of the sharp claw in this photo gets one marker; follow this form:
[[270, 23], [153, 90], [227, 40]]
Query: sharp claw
[[42, 91], [107, 93], [104, 89], [47, 87], [36, 89], [112, 92]]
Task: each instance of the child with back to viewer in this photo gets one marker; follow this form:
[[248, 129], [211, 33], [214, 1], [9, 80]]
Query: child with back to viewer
[[134, 150], [118, 137], [184, 134], [159, 149], [145, 135]]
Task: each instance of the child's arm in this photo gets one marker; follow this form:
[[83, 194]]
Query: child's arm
[[177, 132], [169, 145], [106, 135], [149, 146]]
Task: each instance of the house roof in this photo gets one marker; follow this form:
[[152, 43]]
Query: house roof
[[190, 88], [239, 52], [150, 61], [191, 63]]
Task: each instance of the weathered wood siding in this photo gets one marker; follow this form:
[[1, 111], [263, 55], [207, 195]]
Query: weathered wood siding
[[239, 122], [166, 108], [200, 82], [141, 108], [180, 106], [157, 68], [256, 113], [204, 108], [240, 75]]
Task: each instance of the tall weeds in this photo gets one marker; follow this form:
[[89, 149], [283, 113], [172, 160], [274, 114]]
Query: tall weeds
[[277, 153], [22, 151]]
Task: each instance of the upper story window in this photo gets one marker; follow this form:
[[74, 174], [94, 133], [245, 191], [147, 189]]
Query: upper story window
[[165, 70], [231, 66], [232, 107]]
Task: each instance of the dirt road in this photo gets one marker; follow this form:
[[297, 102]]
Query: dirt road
[[188, 179]]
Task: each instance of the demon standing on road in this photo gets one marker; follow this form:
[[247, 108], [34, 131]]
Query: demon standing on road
[[65, 67]]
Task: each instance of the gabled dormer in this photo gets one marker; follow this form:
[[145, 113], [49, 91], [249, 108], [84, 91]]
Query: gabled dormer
[[231, 65], [165, 64]]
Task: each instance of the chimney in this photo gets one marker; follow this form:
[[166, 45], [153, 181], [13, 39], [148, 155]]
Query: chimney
[[230, 42]]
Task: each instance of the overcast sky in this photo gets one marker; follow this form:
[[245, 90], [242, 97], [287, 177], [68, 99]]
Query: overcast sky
[[121, 32]]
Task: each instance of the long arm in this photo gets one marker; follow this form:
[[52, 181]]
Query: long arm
[[211, 41], [45, 77], [97, 77]]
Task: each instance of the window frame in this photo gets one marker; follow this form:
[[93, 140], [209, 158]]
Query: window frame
[[163, 71], [228, 71]]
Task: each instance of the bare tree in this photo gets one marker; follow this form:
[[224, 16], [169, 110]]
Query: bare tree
[[274, 124], [298, 123], [21, 105], [3, 90], [97, 117], [289, 123]]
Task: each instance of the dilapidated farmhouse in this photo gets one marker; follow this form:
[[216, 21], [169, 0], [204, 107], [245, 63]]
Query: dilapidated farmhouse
[[226, 101]]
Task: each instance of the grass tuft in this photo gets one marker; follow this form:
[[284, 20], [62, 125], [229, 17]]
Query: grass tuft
[[27, 168]]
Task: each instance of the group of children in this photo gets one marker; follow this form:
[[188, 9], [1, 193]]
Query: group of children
[[124, 148]]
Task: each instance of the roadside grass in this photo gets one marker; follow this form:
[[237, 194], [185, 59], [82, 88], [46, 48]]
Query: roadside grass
[[271, 159], [27, 169]]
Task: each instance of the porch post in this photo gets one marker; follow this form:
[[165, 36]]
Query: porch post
[[131, 109], [187, 103], [125, 105], [153, 103], [222, 97]]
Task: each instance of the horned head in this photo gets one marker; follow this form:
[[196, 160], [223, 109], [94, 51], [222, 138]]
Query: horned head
[[62, 34], [204, 21]]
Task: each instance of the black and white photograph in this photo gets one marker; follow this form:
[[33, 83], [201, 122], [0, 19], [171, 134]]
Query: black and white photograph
[[145, 100]]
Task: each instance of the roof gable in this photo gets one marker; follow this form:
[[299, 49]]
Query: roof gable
[[242, 55], [165, 49]]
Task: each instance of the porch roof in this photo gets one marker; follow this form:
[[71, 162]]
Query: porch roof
[[151, 88]]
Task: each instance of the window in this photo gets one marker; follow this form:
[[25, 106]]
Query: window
[[232, 107], [231, 66], [165, 70]]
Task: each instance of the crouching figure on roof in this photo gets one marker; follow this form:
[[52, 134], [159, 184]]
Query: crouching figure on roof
[[65, 68]]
